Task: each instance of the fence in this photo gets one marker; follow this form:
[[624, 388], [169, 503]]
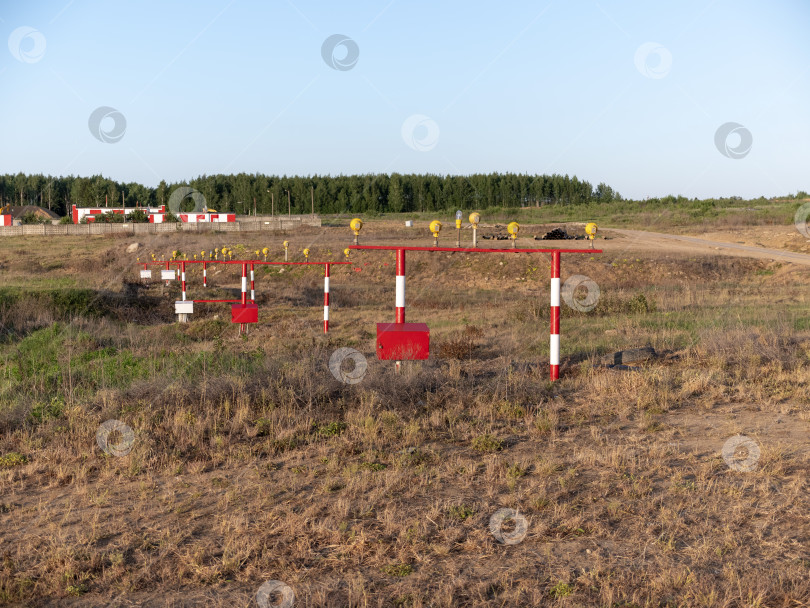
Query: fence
[[242, 225]]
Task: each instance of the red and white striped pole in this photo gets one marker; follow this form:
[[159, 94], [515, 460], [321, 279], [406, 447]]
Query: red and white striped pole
[[400, 293], [244, 284], [252, 285], [205, 275], [326, 300], [167, 268], [183, 279], [244, 294], [554, 350]]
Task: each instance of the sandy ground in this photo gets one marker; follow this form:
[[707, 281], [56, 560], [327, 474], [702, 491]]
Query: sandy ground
[[772, 243], [720, 243]]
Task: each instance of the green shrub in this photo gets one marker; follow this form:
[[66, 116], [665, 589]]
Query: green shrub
[[33, 218], [487, 443], [111, 218], [559, 590], [12, 459], [460, 512], [397, 569], [330, 429], [74, 302], [45, 411], [139, 216]]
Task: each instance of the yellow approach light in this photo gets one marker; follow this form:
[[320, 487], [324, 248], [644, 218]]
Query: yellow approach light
[[356, 225], [346, 252], [590, 229], [513, 229], [306, 253], [474, 219], [435, 227]]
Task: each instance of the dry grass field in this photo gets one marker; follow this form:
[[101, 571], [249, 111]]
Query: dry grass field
[[250, 462]]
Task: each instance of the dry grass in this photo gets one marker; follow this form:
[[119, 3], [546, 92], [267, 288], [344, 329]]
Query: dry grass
[[250, 462]]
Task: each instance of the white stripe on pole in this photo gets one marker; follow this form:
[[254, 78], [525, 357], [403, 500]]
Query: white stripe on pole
[[244, 284], [400, 297], [326, 285], [554, 355], [555, 291], [326, 313]]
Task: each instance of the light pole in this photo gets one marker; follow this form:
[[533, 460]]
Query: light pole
[[289, 207]]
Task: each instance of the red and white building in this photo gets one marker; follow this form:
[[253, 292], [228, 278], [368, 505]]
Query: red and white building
[[193, 218], [156, 215], [79, 213]]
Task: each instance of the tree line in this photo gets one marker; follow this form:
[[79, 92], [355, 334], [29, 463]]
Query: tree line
[[370, 193]]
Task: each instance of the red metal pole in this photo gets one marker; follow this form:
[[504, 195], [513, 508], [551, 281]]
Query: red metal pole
[[326, 301], [183, 279], [400, 292], [167, 268], [205, 275], [252, 285], [554, 347]]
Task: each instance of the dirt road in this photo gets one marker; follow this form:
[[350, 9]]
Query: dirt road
[[637, 240]]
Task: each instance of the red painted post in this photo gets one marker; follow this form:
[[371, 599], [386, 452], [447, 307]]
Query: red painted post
[[400, 287], [183, 279], [326, 300], [167, 268], [205, 274], [554, 346], [252, 284]]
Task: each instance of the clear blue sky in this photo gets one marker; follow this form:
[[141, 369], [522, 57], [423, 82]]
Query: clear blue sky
[[221, 86]]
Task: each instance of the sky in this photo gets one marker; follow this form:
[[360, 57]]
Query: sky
[[700, 98]]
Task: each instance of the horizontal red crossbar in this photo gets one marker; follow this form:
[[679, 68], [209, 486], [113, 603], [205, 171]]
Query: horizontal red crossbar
[[195, 301], [473, 249]]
